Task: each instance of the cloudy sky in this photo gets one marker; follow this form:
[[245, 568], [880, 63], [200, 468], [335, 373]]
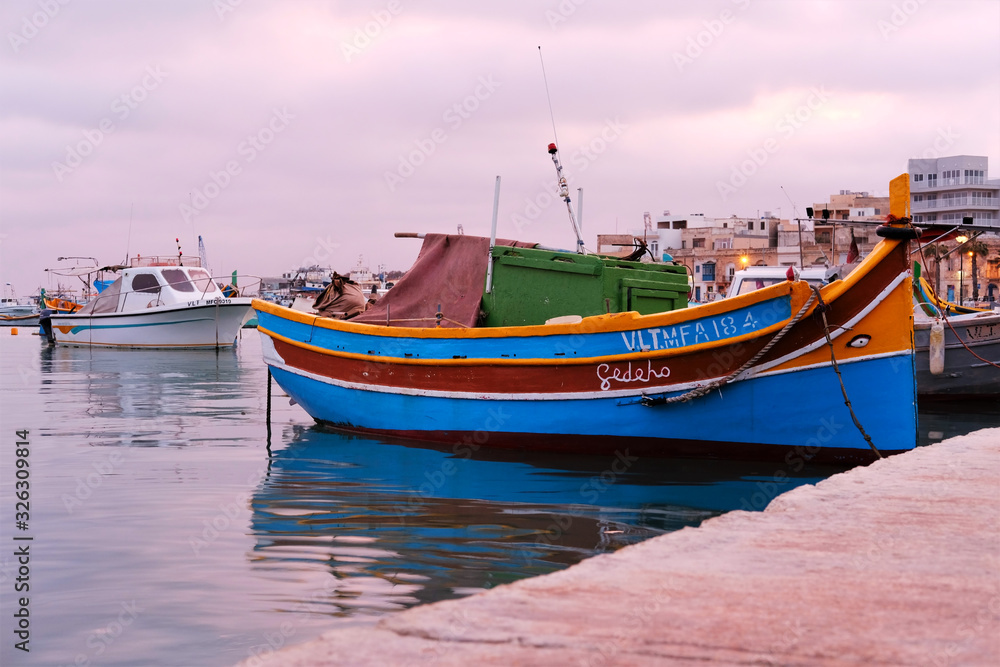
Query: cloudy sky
[[310, 131]]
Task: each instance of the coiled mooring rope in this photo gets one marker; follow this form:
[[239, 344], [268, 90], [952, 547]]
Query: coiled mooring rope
[[698, 392]]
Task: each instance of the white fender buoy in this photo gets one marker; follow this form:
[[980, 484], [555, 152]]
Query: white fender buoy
[[937, 348]]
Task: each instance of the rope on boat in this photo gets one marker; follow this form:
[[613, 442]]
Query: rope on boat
[[943, 312], [821, 310], [698, 392], [948, 322]]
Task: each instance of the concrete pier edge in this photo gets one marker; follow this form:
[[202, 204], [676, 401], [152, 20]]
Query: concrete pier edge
[[894, 563]]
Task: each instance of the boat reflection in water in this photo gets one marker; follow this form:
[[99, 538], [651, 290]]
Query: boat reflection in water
[[395, 525], [149, 397]]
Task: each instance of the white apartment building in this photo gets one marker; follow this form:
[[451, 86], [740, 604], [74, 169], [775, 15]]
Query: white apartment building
[[950, 189]]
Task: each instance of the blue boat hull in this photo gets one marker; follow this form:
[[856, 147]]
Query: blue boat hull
[[764, 417]]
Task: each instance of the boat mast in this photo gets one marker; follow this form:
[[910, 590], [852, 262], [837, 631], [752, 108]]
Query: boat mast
[[554, 152], [564, 193]]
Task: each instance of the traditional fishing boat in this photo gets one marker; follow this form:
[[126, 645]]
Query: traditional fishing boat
[[969, 349], [157, 302], [957, 348], [761, 375]]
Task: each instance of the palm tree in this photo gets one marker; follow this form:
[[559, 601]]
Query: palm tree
[[936, 252], [975, 248]]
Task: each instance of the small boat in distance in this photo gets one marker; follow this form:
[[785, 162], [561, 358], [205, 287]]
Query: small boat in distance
[[759, 376], [14, 311], [157, 302]]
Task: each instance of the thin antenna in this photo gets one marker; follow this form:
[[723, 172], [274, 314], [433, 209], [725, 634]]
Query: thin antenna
[[795, 209], [548, 97], [128, 242], [798, 220]]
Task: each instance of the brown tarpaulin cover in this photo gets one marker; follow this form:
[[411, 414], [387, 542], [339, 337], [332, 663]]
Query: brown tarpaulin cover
[[105, 302], [450, 271]]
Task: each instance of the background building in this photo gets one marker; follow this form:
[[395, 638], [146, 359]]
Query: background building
[[948, 189], [942, 190]]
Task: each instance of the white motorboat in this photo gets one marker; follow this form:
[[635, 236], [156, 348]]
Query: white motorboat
[[14, 312], [155, 303]]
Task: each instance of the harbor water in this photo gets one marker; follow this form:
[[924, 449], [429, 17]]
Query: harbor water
[[168, 524]]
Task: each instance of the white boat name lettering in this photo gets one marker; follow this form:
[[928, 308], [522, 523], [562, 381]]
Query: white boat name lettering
[[706, 330], [606, 374]]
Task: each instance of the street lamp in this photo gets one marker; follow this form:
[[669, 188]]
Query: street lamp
[[972, 277], [961, 239]]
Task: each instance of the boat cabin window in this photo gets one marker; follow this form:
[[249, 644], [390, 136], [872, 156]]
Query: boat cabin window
[[202, 281], [145, 282], [177, 279]]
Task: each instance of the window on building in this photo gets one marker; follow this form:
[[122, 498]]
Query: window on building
[[698, 243], [708, 271], [680, 224], [917, 178], [931, 180]]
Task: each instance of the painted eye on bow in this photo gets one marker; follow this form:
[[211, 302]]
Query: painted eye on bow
[[859, 341]]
